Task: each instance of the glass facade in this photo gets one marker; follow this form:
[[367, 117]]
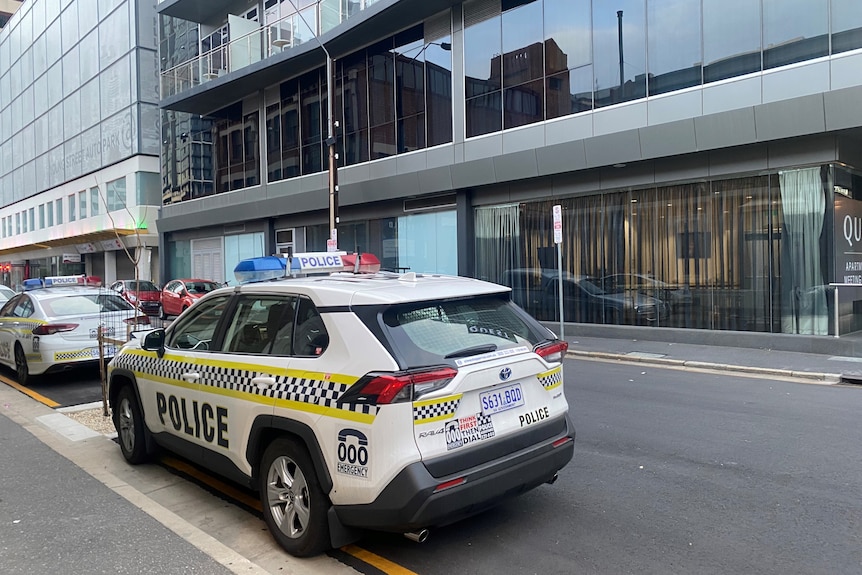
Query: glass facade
[[748, 253], [69, 100], [530, 61], [390, 98]]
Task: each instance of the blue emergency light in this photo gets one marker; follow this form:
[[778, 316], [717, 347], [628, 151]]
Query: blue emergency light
[[33, 283]]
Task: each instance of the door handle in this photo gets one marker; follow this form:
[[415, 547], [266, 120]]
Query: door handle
[[263, 382], [191, 377]]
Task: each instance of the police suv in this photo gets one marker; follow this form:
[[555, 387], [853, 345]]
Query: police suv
[[351, 400]]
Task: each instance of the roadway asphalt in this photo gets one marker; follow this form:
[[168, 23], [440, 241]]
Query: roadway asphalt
[[818, 367]]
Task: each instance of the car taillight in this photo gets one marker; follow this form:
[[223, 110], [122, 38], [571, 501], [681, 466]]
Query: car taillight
[[553, 351], [383, 388], [52, 328]]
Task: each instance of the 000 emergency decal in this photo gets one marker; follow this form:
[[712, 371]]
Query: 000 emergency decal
[[352, 453], [467, 430]]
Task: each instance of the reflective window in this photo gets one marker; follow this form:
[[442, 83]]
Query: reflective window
[[674, 45], [290, 165], [619, 51], [88, 48], [353, 89], [59, 207], [262, 325], [568, 57], [483, 70], [523, 65], [196, 329], [794, 31], [381, 100], [409, 54], [846, 25], [95, 202], [73, 212], [116, 194], [311, 121], [69, 26], [731, 38], [438, 88], [82, 204]]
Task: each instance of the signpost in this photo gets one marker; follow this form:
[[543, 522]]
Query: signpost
[[558, 239]]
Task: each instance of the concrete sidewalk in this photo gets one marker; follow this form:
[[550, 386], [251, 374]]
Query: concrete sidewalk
[[821, 367]]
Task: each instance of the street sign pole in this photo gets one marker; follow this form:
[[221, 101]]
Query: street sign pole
[[558, 239]]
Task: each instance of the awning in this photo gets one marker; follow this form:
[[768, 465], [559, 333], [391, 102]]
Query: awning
[[70, 241]]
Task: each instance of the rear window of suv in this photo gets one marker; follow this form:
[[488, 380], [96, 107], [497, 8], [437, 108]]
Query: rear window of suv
[[428, 333]]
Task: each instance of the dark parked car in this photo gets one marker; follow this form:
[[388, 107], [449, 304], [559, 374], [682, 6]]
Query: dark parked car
[[583, 300], [676, 296], [177, 295], [143, 294]]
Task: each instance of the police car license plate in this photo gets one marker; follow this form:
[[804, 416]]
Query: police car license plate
[[501, 399], [110, 351]]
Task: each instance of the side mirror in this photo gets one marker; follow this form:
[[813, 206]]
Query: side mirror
[[155, 341]]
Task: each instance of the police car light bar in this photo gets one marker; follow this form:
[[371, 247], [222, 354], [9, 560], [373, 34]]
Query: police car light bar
[[274, 267], [56, 281]]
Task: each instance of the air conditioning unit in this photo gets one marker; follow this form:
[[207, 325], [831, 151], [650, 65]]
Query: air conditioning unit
[[281, 37]]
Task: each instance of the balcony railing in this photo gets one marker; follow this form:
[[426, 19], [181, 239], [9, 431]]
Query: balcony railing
[[263, 42]]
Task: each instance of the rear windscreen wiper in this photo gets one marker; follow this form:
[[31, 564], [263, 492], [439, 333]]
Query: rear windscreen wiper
[[474, 350]]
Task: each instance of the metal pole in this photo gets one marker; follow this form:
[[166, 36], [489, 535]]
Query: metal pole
[[560, 276], [620, 34], [333, 156], [330, 134]]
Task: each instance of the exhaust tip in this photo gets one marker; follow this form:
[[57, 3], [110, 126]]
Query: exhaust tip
[[553, 479], [418, 536]]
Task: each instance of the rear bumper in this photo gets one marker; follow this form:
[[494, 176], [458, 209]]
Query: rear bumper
[[410, 502]]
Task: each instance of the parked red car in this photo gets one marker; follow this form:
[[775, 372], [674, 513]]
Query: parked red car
[[177, 295], [143, 294]]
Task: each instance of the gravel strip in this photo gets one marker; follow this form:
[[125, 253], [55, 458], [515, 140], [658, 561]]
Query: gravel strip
[[94, 419]]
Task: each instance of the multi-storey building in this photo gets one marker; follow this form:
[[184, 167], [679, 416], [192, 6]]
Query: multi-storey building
[[79, 140], [704, 153]]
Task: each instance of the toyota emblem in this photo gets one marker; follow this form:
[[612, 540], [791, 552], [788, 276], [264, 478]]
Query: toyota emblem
[[505, 373]]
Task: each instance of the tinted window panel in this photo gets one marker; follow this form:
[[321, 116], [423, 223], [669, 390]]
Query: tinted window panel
[[569, 92], [523, 52], [524, 104], [568, 35], [674, 45], [482, 63], [846, 25], [731, 38], [619, 77], [484, 114], [794, 30]]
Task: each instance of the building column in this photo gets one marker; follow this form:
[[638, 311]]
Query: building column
[[144, 266], [110, 268]]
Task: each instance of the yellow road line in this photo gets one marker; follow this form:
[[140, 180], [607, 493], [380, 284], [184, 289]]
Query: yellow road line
[[27, 391], [363, 555], [219, 486], [377, 561]]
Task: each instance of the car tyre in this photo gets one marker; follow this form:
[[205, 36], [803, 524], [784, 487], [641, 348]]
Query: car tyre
[[129, 423], [294, 505], [162, 314], [21, 368]]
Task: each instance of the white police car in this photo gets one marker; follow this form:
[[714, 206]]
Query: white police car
[[54, 324], [352, 400]]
